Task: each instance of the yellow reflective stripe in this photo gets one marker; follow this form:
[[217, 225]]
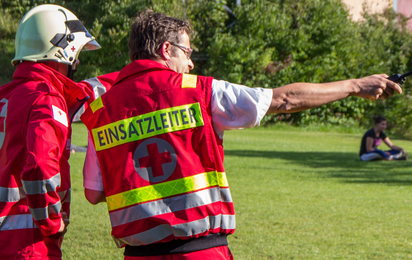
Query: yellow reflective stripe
[[189, 81], [151, 124], [166, 189], [96, 104]]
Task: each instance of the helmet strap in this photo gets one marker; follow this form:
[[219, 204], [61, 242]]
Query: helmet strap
[[71, 72]]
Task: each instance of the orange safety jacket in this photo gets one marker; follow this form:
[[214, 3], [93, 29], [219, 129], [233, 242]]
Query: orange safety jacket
[[161, 160]]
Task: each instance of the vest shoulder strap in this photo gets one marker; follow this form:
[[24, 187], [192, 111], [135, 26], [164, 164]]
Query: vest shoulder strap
[[189, 81], [96, 104]]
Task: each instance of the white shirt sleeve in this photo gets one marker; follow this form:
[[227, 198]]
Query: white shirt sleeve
[[92, 174], [236, 106]]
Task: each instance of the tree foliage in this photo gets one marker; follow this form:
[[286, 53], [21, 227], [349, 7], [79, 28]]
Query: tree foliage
[[261, 43]]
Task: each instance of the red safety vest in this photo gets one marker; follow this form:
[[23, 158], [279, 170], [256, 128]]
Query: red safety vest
[[35, 112], [161, 161]]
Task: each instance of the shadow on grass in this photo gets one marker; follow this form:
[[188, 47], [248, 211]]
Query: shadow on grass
[[344, 166]]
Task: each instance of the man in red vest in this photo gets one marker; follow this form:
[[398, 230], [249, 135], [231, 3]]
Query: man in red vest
[[36, 109], [156, 154]]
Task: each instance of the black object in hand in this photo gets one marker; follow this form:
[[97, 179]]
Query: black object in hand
[[398, 78]]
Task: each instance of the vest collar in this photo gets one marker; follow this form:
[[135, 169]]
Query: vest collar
[[139, 66], [71, 91]]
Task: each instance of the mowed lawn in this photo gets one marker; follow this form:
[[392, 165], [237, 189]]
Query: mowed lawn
[[297, 194]]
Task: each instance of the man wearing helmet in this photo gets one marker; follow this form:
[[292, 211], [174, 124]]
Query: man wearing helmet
[[36, 109], [167, 191]]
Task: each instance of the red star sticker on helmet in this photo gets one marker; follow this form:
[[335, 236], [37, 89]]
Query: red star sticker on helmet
[[73, 49]]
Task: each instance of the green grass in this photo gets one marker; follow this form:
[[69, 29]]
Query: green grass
[[298, 195]]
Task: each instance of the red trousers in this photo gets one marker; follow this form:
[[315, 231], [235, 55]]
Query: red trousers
[[215, 253]]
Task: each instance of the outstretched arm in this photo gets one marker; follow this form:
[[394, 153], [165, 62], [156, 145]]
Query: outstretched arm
[[301, 96]]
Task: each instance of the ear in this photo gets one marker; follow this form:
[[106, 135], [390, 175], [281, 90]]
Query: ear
[[165, 50]]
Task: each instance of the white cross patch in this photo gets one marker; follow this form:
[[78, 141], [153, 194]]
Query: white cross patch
[[60, 116]]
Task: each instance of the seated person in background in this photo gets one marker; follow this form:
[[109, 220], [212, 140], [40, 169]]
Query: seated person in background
[[373, 138]]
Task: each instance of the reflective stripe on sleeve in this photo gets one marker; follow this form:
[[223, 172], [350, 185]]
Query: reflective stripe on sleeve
[[98, 88], [160, 232], [43, 213], [159, 207], [13, 222], [11, 194], [42, 186], [65, 196], [167, 189]]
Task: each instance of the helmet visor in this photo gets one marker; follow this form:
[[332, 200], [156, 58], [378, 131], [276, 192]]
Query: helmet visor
[[91, 46], [77, 26]]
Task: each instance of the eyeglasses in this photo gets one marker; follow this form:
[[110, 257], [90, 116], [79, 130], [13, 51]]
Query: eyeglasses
[[186, 50]]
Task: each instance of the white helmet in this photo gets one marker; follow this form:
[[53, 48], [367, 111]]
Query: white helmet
[[51, 33]]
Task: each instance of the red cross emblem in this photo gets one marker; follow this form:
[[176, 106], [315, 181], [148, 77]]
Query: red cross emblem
[[155, 160], [73, 49], [2, 118]]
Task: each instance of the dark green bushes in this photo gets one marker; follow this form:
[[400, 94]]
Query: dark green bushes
[[261, 43]]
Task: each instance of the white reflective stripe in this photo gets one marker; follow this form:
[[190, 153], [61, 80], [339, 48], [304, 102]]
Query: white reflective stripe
[[160, 232], [202, 225], [158, 207], [42, 186], [225, 194], [43, 213], [65, 196], [228, 222], [3, 114], [11, 194], [98, 89], [13, 222]]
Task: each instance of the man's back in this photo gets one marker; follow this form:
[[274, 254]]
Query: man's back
[[157, 123]]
